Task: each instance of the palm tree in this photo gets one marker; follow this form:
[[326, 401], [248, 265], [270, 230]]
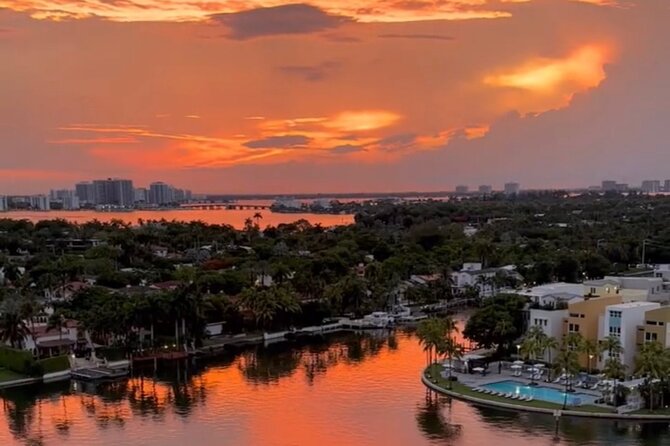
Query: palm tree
[[257, 218], [591, 349], [429, 336], [567, 361], [612, 345], [57, 321], [548, 345], [504, 327], [531, 346], [615, 371], [249, 228], [449, 348], [652, 362], [13, 329]]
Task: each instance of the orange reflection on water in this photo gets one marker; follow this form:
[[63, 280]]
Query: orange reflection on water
[[235, 218], [358, 390]]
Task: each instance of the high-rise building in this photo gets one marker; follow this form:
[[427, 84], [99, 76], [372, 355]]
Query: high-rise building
[[511, 188], [39, 202], [68, 198], [114, 192], [651, 186], [85, 192], [666, 186], [178, 195], [485, 189], [4, 206], [160, 193], [461, 189], [141, 195], [609, 186]]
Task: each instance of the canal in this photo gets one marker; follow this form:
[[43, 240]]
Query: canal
[[346, 389]]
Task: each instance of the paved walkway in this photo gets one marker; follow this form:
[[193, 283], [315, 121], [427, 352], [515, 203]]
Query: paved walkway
[[525, 408]]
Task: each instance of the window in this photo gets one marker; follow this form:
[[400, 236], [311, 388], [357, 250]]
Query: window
[[615, 314], [540, 322], [650, 337], [593, 290], [573, 328], [574, 314], [615, 331], [652, 323]]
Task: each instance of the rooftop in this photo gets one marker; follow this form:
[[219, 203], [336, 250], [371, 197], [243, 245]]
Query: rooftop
[[601, 282], [633, 305], [662, 313], [554, 288]]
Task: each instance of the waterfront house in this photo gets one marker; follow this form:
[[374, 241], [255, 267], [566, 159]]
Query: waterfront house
[[622, 321], [631, 288], [585, 318], [656, 327], [488, 281]]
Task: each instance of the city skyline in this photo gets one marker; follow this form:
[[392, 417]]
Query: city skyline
[[325, 96]]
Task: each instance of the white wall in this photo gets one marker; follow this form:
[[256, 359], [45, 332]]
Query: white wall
[[631, 318], [554, 324]]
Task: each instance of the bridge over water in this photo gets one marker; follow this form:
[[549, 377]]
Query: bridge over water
[[224, 206]]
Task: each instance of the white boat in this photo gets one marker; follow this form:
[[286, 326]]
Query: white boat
[[378, 319]]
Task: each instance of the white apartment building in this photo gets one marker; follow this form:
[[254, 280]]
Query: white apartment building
[[3, 204], [551, 323], [622, 321]]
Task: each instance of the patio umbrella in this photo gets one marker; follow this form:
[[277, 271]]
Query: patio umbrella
[[515, 366], [518, 362], [539, 366], [478, 369]]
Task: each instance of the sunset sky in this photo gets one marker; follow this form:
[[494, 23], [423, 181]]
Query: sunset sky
[[246, 96]]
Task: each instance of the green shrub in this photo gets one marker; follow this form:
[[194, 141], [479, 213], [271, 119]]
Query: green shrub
[[55, 364], [18, 361]]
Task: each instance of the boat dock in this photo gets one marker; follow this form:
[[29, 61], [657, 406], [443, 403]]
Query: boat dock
[[98, 373]]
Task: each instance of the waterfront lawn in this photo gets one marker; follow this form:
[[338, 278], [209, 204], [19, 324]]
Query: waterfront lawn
[[467, 391], [665, 412], [8, 375]]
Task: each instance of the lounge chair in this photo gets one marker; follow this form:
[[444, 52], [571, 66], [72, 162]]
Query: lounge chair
[[522, 398], [515, 397], [595, 386], [529, 399], [557, 380], [508, 395]]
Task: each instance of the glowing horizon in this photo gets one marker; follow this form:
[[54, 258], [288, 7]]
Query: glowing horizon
[[310, 96]]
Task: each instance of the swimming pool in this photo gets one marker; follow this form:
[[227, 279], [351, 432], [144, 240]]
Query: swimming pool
[[540, 393]]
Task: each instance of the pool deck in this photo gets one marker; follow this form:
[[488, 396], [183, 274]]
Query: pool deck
[[477, 380]]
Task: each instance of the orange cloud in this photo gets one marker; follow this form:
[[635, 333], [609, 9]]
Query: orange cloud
[[369, 11], [272, 140], [583, 68], [357, 121]]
